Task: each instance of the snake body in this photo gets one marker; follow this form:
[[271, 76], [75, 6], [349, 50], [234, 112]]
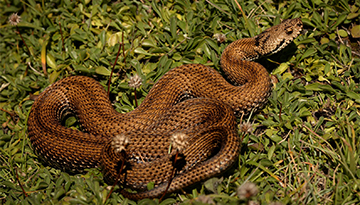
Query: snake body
[[192, 101]]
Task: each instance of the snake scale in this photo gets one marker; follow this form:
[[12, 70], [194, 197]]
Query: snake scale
[[192, 103]]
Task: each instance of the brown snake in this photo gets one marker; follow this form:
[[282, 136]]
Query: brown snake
[[191, 101]]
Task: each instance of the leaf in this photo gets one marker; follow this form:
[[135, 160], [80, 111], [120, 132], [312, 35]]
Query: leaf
[[81, 68], [114, 39], [150, 185], [319, 87], [353, 15], [168, 201], [51, 61], [339, 20], [355, 31], [212, 43], [102, 71], [78, 37], [70, 121], [53, 76], [343, 33], [140, 50], [102, 36], [282, 68], [308, 53], [58, 193], [173, 27], [147, 202], [307, 40], [271, 152], [307, 21], [318, 20], [207, 51], [353, 95], [43, 56], [149, 43], [177, 56], [212, 184]]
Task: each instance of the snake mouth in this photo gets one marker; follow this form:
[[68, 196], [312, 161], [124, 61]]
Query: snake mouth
[[285, 42]]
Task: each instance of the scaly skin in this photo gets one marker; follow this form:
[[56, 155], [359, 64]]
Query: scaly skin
[[193, 100]]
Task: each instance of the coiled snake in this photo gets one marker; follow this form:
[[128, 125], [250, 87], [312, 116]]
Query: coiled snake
[[192, 104]]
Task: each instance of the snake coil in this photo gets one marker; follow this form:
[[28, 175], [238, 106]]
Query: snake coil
[[191, 103]]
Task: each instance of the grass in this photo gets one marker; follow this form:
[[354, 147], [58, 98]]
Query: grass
[[305, 145]]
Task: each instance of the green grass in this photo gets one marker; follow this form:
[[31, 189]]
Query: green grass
[[305, 146]]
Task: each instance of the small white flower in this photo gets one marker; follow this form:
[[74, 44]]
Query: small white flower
[[179, 141], [205, 199], [246, 127], [247, 190], [119, 143], [135, 81], [14, 19], [220, 37]]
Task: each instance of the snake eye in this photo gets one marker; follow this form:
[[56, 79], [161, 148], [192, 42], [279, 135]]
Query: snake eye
[[289, 30]]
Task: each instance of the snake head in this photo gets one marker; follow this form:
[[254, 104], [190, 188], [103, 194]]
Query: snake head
[[273, 39]]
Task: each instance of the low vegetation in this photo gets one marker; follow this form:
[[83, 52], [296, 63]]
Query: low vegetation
[[301, 148]]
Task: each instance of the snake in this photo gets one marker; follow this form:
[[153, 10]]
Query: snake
[[186, 123]]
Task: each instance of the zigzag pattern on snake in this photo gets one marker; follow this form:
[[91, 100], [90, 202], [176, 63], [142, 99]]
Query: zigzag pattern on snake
[[192, 100]]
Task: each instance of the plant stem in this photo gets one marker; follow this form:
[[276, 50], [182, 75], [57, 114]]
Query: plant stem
[[171, 176], [112, 70], [62, 37], [116, 181], [22, 188], [23, 39], [136, 103]]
